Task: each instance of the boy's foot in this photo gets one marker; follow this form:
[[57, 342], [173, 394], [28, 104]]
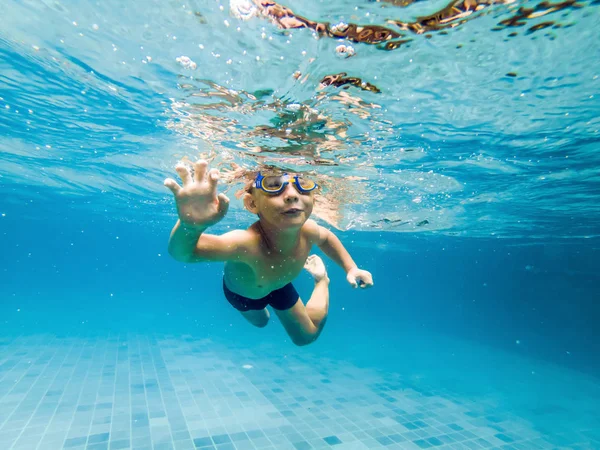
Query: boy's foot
[[314, 265]]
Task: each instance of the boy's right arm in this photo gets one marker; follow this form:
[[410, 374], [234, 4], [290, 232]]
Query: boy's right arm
[[192, 244], [199, 207]]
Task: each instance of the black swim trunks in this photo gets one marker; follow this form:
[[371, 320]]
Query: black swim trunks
[[280, 299]]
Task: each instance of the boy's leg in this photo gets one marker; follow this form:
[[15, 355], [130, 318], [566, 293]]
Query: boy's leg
[[305, 323], [258, 318]]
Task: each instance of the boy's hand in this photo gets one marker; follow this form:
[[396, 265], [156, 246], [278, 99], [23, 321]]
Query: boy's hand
[[357, 277], [197, 202]]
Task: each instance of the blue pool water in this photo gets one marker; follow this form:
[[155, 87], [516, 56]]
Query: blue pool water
[[458, 151]]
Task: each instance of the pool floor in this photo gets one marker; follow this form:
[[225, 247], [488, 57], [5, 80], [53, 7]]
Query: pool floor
[[181, 392]]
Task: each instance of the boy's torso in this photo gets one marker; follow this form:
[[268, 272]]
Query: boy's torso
[[264, 271]]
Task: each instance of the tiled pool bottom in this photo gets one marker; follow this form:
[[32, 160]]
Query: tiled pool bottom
[[160, 392]]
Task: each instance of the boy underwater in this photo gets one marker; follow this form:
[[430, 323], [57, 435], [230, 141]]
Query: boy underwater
[[262, 261]]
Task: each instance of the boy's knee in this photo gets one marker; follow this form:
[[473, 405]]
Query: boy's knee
[[301, 341], [261, 323], [259, 319]]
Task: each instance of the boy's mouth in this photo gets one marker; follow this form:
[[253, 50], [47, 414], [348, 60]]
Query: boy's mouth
[[292, 211]]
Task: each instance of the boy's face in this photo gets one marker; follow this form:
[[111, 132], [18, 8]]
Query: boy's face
[[287, 209]]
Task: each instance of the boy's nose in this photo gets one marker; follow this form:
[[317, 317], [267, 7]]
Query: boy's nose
[[290, 193]]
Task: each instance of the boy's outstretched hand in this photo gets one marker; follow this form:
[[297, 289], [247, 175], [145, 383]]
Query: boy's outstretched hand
[[198, 204], [357, 277]]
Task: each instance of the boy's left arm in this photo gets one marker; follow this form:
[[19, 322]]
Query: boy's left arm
[[334, 249]]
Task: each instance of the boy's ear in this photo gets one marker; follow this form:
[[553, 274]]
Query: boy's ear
[[249, 203]]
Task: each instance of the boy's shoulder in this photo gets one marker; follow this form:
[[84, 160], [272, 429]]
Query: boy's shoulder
[[241, 238], [314, 232], [248, 235]]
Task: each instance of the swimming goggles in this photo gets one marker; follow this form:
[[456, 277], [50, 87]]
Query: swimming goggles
[[274, 184]]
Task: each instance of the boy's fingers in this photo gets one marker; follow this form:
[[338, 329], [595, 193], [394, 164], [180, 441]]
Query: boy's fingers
[[367, 283], [172, 185], [213, 179], [351, 280], [223, 204], [184, 174], [200, 170]]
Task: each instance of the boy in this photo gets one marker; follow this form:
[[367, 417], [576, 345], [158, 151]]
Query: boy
[[262, 261]]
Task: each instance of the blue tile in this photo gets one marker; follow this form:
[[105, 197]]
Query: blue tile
[[303, 445], [74, 442], [228, 446], [97, 438], [53, 393], [332, 440], [241, 436], [117, 445], [181, 435], [163, 446], [396, 438], [467, 434], [98, 446], [221, 439], [384, 440], [493, 419], [253, 434], [423, 443], [203, 442], [434, 441], [446, 439], [504, 437], [455, 427]]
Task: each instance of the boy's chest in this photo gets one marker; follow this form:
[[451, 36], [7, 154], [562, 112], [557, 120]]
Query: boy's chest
[[273, 270], [264, 271], [272, 267]]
